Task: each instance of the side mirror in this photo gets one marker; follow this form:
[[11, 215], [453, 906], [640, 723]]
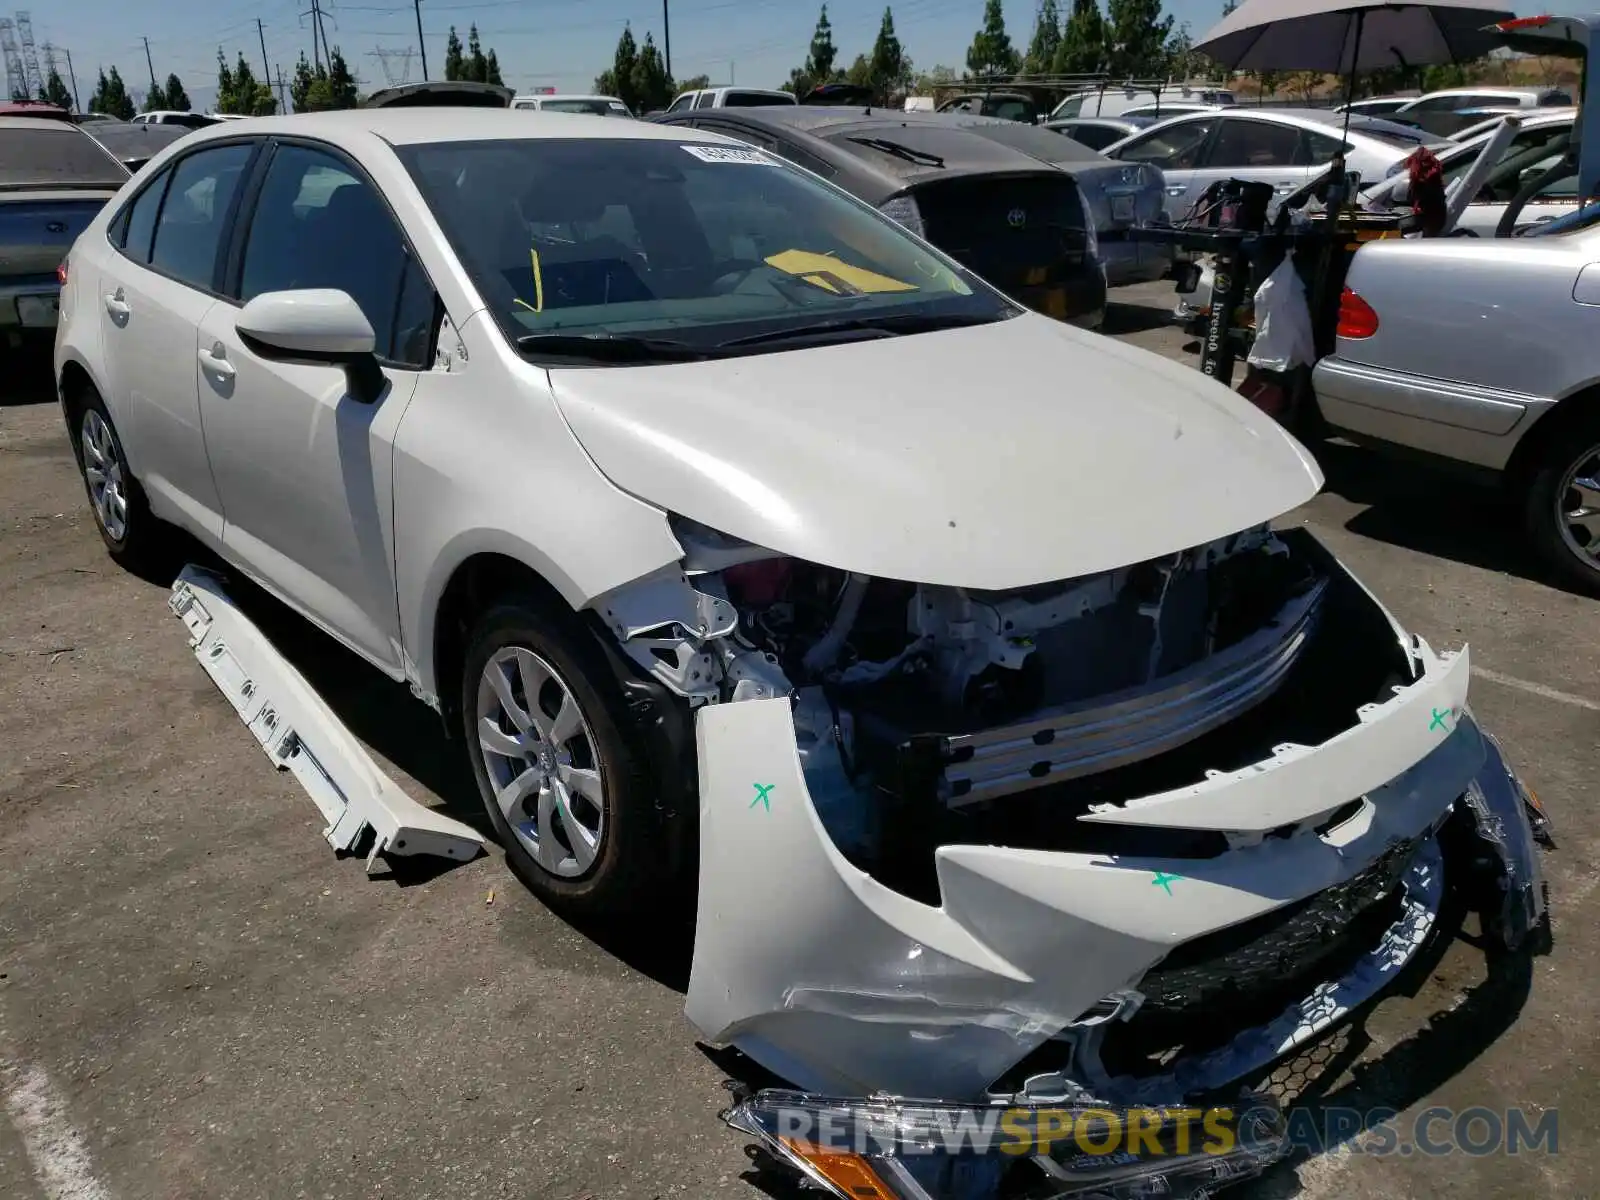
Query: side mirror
[[322, 326]]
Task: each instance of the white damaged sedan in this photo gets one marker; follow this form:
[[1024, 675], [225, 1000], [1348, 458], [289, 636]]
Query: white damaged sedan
[[727, 523]]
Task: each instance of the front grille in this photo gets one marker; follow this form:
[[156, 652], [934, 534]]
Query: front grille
[[1015, 231], [1206, 990]]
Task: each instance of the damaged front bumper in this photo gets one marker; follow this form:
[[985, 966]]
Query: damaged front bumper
[[1028, 980]]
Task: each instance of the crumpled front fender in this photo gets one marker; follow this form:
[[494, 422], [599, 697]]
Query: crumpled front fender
[[842, 985]]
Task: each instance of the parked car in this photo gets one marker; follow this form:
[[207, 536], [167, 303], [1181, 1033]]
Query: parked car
[[1544, 137], [599, 106], [1099, 132], [1448, 111], [1285, 147], [1375, 106], [730, 97], [54, 179], [1156, 112], [441, 93], [936, 632], [134, 144], [188, 120], [1118, 101], [1491, 121], [34, 108], [1479, 353], [1121, 196], [1008, 106], [1024, 226]]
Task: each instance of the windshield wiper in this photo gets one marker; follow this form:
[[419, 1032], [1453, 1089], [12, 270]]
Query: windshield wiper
[[611, 347], [898, 150], [889, 325]]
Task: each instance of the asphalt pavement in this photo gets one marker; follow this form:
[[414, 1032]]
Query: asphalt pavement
[[199, 999]]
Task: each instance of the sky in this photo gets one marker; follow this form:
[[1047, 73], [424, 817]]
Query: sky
[[538, 42]]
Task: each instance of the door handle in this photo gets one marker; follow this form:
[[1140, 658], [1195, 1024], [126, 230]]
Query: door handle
[[1177, 189], [116, 306], [216, 361]]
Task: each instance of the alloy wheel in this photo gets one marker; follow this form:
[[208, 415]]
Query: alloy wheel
[[539, 755], [1578, 507], [106, 476]]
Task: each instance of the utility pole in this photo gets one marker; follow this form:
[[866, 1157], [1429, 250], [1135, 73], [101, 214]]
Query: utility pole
[[316, 25], [154, 86], [73, 76], [283, 105], [265, 65], [327, 52], [422, 47], [666, 37]]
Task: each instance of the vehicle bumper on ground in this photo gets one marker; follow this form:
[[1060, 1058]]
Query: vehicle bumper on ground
[[844, 987], [1453, 420], [30, 303]]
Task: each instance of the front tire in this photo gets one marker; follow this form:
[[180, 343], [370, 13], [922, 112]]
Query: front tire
[[1563, 506], [134, 537], [564, 786]]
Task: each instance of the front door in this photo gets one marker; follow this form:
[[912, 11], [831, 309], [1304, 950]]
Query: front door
[[304, 468]]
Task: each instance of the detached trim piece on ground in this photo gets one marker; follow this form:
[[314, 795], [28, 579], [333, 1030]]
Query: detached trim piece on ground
[[300, 734]]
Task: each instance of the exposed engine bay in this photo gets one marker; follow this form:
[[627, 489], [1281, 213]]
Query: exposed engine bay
[[936, 709]]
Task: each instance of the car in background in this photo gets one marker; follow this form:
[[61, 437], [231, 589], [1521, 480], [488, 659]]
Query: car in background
[[1491, 121], [1285, 147], [1114, 101], [1157, 112], [34, 108], [133, 144], [1099, 132], [1452, 109], [1008, 106], [54, 180], [442, 93], [730, 97], [189, 120], [599, 106], [1481, 353], [1544, 136], [1121, 196], [1020, 223], [1375, 106]]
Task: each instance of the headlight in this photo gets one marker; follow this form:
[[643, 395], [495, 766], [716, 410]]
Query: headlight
[[916, 1150], [904, 210]]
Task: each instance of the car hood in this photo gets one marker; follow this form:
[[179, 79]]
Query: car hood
[[996, 456]]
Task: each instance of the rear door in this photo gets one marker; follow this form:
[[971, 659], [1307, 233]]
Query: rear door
[[1256, 150], [305, 469], [154, 294]]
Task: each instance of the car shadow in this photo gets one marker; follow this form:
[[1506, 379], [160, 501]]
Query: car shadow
[[1123, 319], [1434, 511], [28, 375]]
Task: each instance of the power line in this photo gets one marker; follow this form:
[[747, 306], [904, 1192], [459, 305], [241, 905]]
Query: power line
[[422, 46]]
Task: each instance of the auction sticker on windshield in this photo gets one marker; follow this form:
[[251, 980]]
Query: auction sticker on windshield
[[730, 154]]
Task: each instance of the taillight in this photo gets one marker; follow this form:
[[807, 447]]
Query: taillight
[[1357, 318], [61, 272]]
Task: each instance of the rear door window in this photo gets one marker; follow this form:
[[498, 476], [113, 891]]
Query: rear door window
[[1096, 137], [706, 100], [1257, 144], [138, 224], [195, 214], [755, 100]]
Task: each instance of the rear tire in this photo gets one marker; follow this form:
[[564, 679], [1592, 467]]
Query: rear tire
[[1562, 508], [134, 537], [565, 788]]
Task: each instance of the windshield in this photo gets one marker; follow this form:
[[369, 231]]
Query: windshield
[[697, 242], [56, 156], [599, 108]]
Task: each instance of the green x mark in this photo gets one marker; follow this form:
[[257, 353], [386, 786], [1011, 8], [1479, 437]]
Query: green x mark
[[761, 796], [1439, 717], [1165, 881]]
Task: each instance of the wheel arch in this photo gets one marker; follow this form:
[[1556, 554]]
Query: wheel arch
[[1576, 406], [73, 381]]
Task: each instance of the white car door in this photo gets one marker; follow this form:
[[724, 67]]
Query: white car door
[[304, 466], [1176, 148], [154, 293]]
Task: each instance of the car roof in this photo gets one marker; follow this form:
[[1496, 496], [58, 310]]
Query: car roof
[[410, 126]]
